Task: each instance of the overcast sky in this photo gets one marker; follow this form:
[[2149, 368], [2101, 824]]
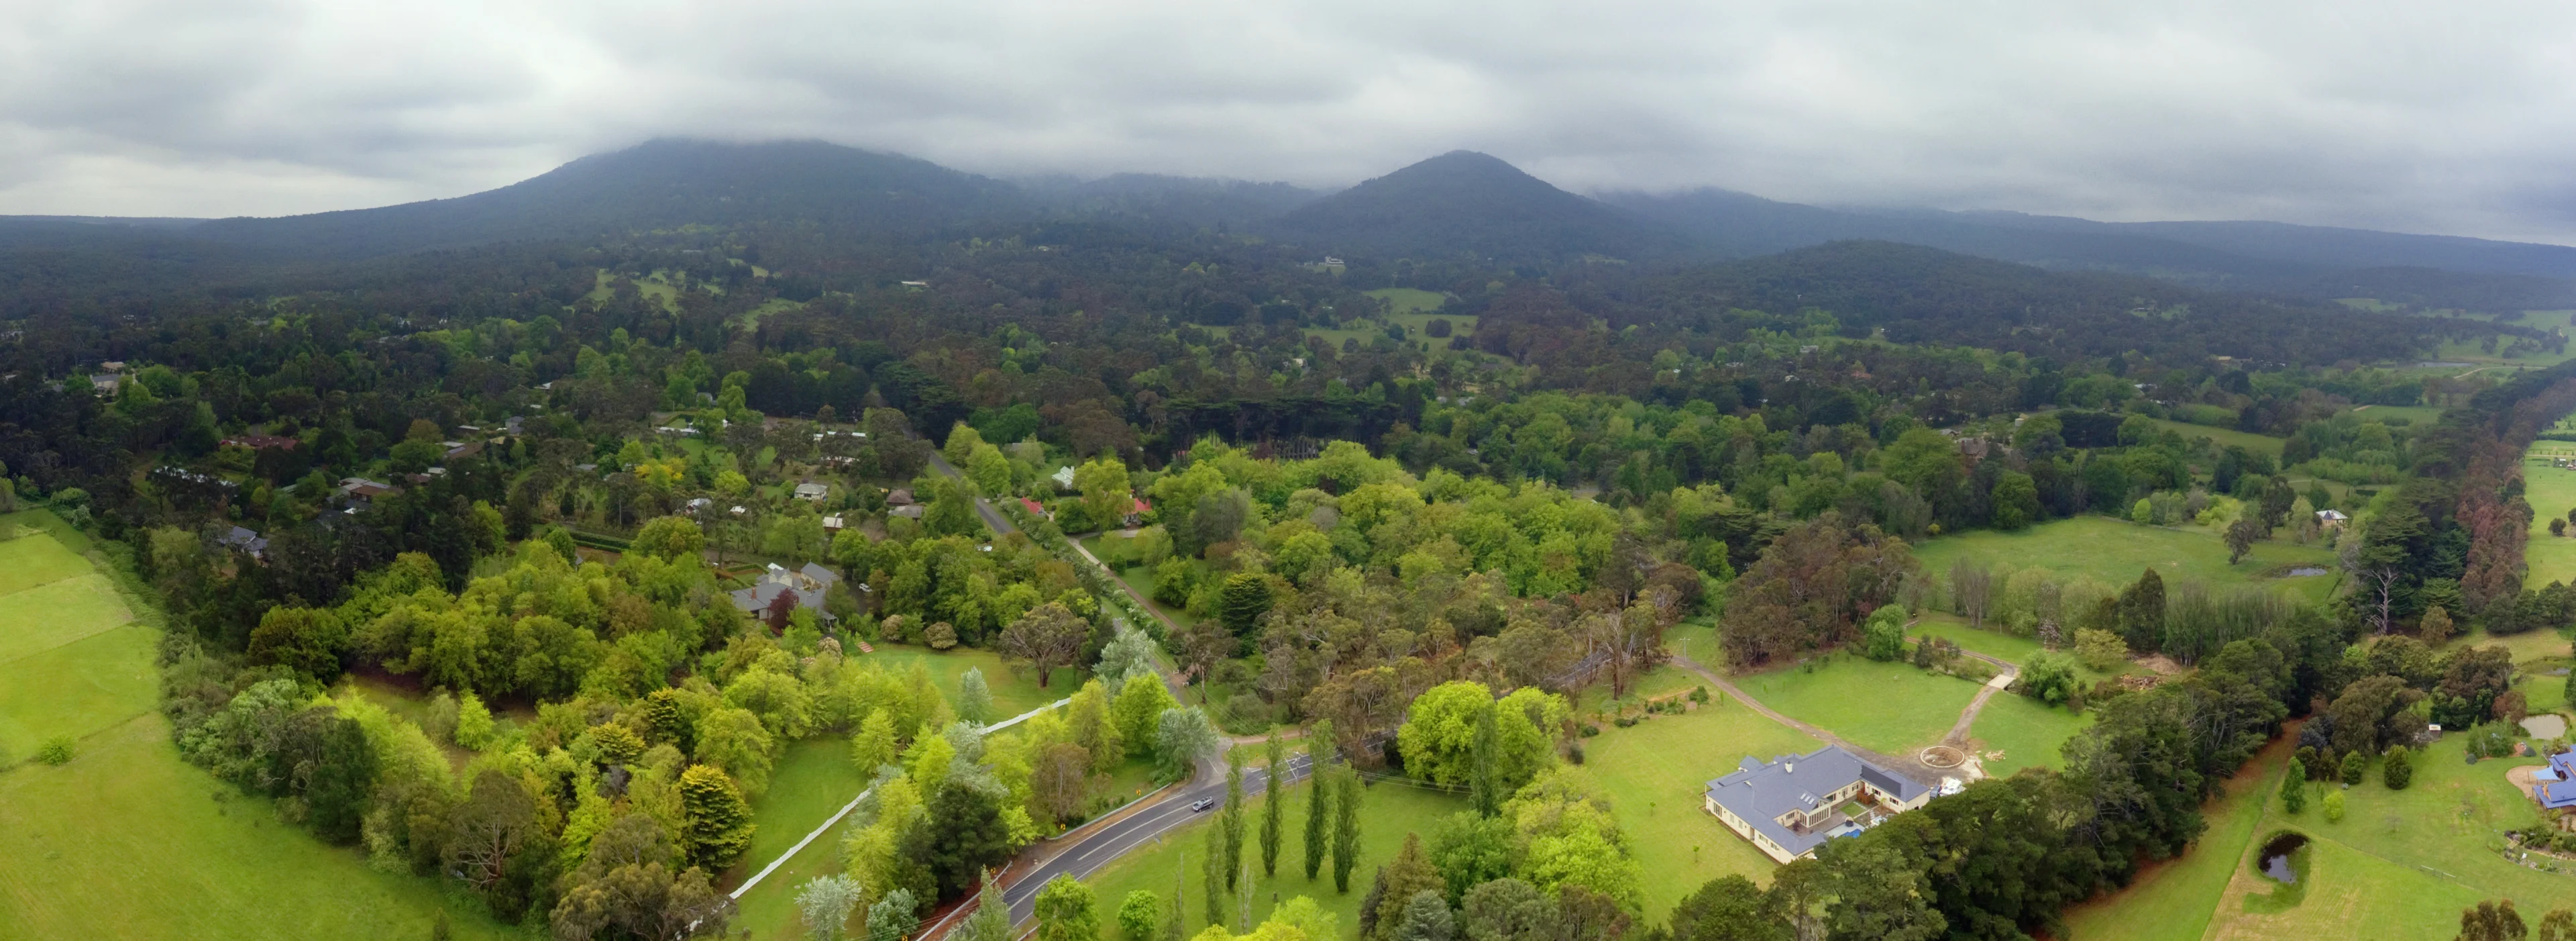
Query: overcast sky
[[2410, 116]]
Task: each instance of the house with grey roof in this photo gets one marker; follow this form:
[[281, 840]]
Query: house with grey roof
[[1794, 803], [808, 584]]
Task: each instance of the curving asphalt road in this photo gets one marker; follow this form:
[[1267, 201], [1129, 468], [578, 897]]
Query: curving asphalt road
[[1086, 854]]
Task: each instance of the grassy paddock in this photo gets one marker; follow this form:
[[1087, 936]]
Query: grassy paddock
[[77, 689], [29, 561], [2265, 444], [2401, 864], [58, 613], [2114, 552], [2552, 493], [127, 841], [2027, 732], [1890, 707]]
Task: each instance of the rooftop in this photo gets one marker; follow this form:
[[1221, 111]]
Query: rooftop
[[1760, 793]]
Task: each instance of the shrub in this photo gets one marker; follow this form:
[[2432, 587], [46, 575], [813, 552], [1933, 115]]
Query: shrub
[[2334, 806], [56, 750], [2397, 768], [2354, 766]]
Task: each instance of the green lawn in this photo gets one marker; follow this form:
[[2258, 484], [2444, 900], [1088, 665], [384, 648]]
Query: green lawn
[[2026, 731], [2116, 551], [813, 780], [2416, 415], [2173, 900], [1012, 694], [76, 689], [1655, 772], [2552, 493], [1387, 812], [57, 613], [127, 841], [2401, 864], [2250, 441], [1889, 707], [1409, 300], [34, 560]]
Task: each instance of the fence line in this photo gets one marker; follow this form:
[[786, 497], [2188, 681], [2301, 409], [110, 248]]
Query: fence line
[[782, 859]]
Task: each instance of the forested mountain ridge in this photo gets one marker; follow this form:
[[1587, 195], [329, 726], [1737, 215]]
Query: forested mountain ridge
[[1472, 204], [658, 184], [1457, 207], [2308, 261]]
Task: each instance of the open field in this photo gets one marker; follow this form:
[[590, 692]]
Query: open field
[[2552, 493], [1409, 300], [2114, 552], [127, 841], [2416, 415], [2250, 441], [2401, 864], [1655, 773], [35, 560], [1890, 707], [2027, 732], [59, 612], [77, 689], [1387, 812], [2173, 900]]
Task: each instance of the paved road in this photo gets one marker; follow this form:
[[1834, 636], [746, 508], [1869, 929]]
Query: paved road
[[984, 508], [1086, 854]]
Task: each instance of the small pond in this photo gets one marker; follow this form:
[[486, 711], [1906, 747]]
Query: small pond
[[2305, 571], [2276, 857]]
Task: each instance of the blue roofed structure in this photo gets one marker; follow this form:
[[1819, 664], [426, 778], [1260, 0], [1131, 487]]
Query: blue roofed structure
[[2557, 783], [1794, 803]]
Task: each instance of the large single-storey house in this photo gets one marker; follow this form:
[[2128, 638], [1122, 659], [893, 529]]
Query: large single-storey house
[[1795, 803], [808, 584], [2555, 785]]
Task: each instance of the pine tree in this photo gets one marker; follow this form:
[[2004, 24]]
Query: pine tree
[[2294, 789], [1274, 781], [1319, 806], [1484, 783], [873, 745], [1231, 820], [1212, 872], [1411, 872], [974, 697], [1346, 830], [717, 824]]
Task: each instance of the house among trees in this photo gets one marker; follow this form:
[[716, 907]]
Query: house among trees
[[805, 587], [1796, 802], [2331, 519], [812, 492], [244, 541]]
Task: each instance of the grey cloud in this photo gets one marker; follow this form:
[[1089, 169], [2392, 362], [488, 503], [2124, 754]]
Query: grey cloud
[[2417, 117]]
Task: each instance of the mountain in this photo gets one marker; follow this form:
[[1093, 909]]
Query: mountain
[[2307, 261], [659, 184], [1467, 203], [1194, 202], [1919, 294]]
